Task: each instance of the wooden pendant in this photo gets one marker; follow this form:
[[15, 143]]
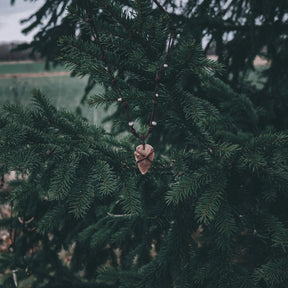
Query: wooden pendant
[[144, 156]]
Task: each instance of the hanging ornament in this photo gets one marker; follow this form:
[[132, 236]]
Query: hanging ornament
[[144, 153], [144, 156]]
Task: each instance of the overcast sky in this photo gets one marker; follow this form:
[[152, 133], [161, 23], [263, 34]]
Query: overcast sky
[[10, 16]]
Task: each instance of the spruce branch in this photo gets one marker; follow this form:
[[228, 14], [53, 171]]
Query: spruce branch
[[209, 202], [188, 186], [273, 272]]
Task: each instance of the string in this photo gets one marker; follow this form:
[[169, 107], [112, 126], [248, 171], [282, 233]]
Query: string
[[145, 157], [116, 89]]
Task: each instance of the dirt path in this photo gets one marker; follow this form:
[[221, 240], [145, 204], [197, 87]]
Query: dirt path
[[19, 62], [33, 75]]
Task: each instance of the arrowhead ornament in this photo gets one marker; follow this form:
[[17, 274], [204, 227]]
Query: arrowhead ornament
[[144, 156]]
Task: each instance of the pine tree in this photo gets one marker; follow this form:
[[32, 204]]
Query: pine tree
[[235, 30], [211, 210]]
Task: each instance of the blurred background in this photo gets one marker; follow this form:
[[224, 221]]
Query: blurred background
[[24, 70]]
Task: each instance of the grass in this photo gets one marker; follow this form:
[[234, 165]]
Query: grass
[[24, 67], [64, 92]]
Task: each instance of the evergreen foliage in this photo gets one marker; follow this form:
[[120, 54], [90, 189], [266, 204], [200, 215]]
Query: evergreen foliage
[[211, 211], [235, 30]]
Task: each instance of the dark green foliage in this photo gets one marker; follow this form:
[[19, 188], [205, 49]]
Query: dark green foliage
[[236, 31], [211, 211]]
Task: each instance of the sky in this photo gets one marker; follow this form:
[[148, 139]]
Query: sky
[[10, 16]]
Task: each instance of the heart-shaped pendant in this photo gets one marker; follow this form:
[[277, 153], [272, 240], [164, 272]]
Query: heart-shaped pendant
[[144, 156]]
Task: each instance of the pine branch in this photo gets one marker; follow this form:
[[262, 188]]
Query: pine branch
[[188, 186], [273, 272], [210, 201]]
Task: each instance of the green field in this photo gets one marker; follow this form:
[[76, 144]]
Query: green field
[[28, 67], [63, 91]]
